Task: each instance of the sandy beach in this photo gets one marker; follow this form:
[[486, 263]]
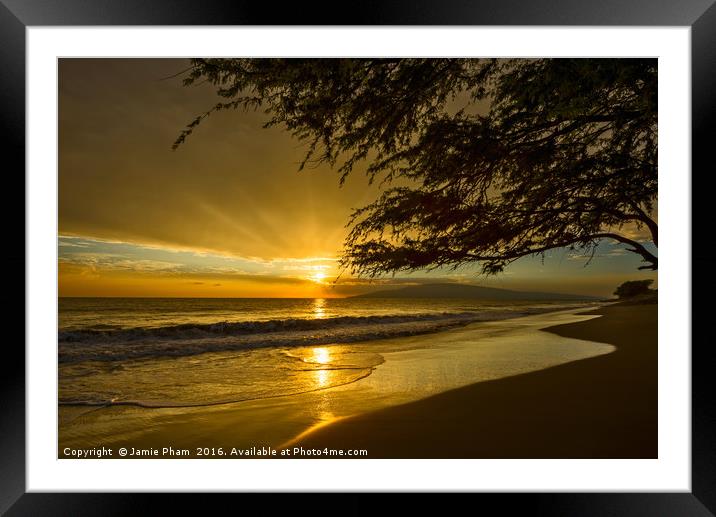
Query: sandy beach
[[601, 407]]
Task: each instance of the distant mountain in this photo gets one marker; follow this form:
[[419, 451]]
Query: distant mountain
[[469, 291]]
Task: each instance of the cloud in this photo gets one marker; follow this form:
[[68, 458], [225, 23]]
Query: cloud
[[234, 188], [110, 261], [68, 244]]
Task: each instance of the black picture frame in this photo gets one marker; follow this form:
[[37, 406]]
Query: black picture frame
[[700, 15]]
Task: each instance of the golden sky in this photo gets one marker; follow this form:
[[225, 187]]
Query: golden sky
[[228, 213]]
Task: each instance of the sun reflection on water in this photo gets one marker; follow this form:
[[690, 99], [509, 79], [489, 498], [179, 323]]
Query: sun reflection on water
[[319, 308], [322, 355]]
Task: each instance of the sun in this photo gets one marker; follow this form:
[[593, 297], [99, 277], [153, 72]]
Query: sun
[[318, 277]]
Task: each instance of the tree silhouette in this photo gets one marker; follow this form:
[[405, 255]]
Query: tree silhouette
[[485, 160], [633, 288]]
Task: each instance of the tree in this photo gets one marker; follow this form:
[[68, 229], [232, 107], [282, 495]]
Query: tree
[[633, 288], [486, 160]]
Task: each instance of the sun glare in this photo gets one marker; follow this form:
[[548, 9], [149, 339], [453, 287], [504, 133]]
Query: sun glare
[[318, 276]]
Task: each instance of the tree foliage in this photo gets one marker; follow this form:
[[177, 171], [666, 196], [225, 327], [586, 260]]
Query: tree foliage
[[484, 160], [633, 288]]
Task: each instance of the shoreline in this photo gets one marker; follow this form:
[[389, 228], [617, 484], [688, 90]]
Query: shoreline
[[599, 407], [415, 368]]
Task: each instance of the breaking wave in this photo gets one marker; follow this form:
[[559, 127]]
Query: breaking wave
[[190, 339]]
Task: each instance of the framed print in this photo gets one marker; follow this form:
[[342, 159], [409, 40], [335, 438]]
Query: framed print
[[412, 251]]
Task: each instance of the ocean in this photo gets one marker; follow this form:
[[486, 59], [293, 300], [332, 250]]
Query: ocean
[[174, 353]]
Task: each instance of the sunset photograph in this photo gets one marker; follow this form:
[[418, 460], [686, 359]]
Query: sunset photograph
[[355, 258]]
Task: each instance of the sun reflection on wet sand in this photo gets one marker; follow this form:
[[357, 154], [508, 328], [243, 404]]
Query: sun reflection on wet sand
[[323, 377], [323, 419]]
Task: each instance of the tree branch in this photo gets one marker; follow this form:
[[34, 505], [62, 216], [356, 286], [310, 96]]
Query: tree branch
[[637, 248], [648, 221]]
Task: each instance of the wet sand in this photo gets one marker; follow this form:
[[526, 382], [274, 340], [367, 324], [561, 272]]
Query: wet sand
[[600, 407]]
